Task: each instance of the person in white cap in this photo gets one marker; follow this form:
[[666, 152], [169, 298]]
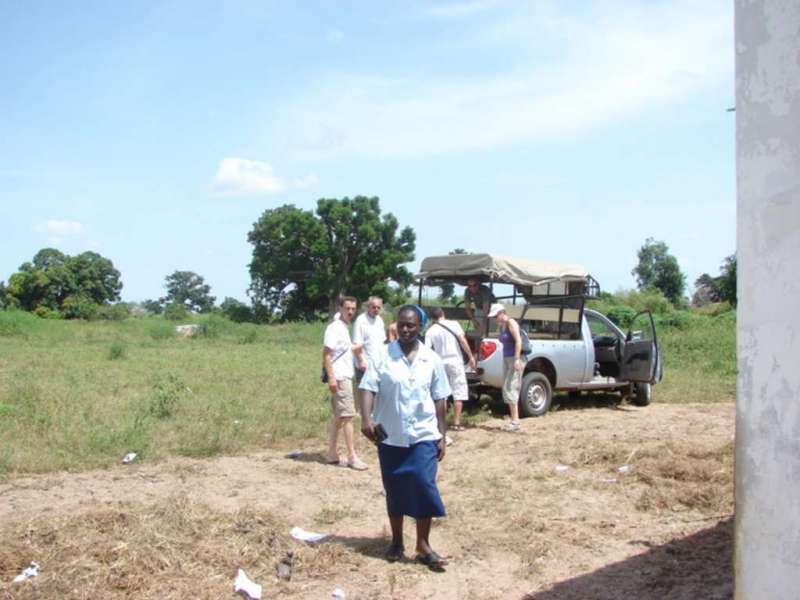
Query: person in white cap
[[512, 362]]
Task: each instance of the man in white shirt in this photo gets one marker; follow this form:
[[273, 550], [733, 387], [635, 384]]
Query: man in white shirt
[[337, 360], [370, 331], [447, 339]]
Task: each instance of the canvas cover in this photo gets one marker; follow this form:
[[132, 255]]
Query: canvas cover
[[500, 269]]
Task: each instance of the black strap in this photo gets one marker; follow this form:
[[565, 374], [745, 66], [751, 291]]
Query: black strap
[[455, 335]]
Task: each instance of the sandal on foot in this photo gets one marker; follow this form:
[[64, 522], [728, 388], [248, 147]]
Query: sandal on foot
[[431, 560], [339, 462], [394, 552]]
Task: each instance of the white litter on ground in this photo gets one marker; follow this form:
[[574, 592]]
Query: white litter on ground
[[129, 458], [246, 587], [339, 593], [625, 469], [32, 570], [295, 454], [301, 534], [561, 468]]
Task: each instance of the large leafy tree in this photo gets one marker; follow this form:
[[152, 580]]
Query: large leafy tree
[[190, 290], [303, 260], [657, 268], [52, 278]]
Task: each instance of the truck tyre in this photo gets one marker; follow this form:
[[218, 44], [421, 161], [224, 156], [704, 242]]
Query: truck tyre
[[641, 394], [535, 395]]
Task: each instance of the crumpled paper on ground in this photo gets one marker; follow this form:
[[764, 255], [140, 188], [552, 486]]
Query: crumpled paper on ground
[[301, 534], [246, 587]]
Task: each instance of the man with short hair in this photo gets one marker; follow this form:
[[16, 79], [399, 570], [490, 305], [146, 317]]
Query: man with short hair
[[370, 331], [337, 359], [447, 339], [477, 299]]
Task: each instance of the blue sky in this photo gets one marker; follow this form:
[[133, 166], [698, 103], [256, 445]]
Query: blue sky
[[157, 133]]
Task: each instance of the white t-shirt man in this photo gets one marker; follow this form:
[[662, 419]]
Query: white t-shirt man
[[337, 338], [447, 346], [371, 332], [444, 343]]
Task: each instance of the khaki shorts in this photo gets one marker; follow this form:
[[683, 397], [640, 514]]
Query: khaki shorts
[[342, 403], [457, 379]]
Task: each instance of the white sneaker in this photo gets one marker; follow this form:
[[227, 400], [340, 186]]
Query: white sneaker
[[513, 426]]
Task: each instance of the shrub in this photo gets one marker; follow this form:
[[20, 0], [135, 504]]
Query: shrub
[[116, 350], [236, 311], [167, 394], [680, 319], [16, 322], [161, 330], [78, 307], [176, 312], [621, 315], [113, 312], [45, 312]]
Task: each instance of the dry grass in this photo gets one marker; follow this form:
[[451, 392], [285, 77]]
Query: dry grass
[[159, 551]]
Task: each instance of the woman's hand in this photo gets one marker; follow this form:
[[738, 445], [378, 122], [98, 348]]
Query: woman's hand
[[368, 429], [518, 364]]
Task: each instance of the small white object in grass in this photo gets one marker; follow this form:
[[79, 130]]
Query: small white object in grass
[[339, 593], [32, 570], [246, 587], [295, 454], [129, 458], [561, 468], [625, 469], [610, 480], [301, 534]]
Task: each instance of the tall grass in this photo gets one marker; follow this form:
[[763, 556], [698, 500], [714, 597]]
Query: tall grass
[[77, 395], [67, 401]]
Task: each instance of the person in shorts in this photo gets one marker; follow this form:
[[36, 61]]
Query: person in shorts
[[447, 339], [337, 360]]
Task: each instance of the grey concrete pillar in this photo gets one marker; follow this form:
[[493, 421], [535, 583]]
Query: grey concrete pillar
[[767, 552]]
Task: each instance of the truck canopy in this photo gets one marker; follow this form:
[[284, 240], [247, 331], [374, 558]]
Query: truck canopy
[[457, 268]]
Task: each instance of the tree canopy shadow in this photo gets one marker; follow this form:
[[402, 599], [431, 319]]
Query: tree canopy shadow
[[697, 566]]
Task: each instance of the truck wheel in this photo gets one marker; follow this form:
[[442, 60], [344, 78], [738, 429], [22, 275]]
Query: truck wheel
[[641, 394], [535, 395]]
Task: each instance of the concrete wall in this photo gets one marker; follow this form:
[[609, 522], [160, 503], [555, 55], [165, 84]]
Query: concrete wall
[[768, 247]]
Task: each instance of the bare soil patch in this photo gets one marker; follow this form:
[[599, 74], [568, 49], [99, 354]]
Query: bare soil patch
[[540, 515]]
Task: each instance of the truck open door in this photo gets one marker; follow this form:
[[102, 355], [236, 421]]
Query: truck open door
[[641, 358]]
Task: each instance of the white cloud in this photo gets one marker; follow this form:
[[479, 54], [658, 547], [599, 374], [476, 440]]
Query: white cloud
[[241, 177], [594, 69], [55, 227]]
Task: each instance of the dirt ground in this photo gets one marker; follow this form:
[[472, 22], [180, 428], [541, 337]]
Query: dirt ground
[[541, 514]]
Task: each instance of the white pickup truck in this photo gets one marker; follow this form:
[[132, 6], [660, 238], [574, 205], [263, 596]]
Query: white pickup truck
[[573, 348]]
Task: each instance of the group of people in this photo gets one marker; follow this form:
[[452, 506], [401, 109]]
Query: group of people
[[403, 389]]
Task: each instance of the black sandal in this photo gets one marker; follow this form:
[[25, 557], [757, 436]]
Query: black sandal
[[431, 560], [395, 552]]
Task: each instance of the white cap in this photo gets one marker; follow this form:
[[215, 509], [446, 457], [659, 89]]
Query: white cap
[[495, 309]]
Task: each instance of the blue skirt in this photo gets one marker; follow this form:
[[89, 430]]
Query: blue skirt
[[409, 478]]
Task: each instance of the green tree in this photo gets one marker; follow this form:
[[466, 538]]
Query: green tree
[[155, 307], [236, 311], [303, 260], [52, 278], [190, 290], [658, 269], [717, 289], [2, 294]]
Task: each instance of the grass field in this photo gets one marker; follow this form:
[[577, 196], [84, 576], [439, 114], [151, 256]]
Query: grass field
[[76, 395]]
